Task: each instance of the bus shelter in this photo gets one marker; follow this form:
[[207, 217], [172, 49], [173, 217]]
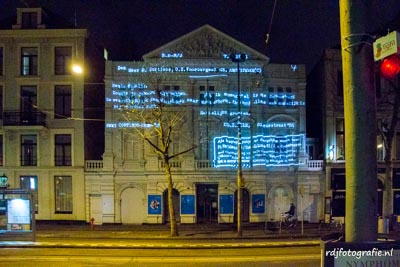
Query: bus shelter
[[17, 215]]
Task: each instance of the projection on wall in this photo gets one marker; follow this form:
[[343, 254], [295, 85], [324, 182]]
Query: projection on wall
[[261, 143]]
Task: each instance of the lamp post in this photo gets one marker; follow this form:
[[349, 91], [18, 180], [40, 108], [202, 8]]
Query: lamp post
[[239, 58]]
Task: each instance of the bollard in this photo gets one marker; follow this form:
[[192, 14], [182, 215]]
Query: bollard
[[92, 223]]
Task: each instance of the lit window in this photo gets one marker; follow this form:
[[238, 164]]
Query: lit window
[[31, 183], [29, 61], [63, 194], [340, 139]]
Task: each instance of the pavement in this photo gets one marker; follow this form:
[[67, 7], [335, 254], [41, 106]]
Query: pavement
[[73, 234]]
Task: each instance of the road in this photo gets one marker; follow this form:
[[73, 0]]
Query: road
[[169, 256]]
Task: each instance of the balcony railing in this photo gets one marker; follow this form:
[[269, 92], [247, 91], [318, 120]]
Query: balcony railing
[[308, 165], [17, 118], [93, 165]]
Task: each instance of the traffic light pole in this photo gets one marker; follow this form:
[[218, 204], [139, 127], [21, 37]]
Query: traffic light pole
[[360, 123]]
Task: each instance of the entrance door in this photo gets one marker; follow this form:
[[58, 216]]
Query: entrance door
[[177, 205], [133, 208], [96, 209], [245, 208], [207, 202]]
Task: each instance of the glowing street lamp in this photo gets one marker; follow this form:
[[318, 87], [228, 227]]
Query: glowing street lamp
[[76, 68]]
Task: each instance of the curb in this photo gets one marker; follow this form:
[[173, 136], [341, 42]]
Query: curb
[[126, 245]]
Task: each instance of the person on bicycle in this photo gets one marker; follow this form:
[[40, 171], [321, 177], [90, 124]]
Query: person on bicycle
[[290, 213]]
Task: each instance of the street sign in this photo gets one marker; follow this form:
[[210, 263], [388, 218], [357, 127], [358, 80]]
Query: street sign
[[386, 45]]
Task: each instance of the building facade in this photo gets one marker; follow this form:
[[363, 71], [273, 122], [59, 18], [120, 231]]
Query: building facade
[[325, 95], [197, 77], [42, 131]]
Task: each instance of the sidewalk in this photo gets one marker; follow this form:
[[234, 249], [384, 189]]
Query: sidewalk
[[186, 231], [67, 234]]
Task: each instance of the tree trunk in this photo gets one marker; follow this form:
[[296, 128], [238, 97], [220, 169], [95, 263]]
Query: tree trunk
[[171, 211], [387, 197]]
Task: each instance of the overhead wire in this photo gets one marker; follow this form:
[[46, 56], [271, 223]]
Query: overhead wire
[[270, 27]]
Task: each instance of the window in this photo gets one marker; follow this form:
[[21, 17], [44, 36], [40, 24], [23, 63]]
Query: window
[[28, 100], [62, 60], [1, 150], [31, 183], [63, 150], [167, 94], [380, 148], [29, 61], [289, 96], [271, 96], [29, 20], [28, 150], [1, 61], [281, 97], [176, 94], [340, 139], [340, 84], [398, 145], [1, 102], [63, 194], [207, 95], [62, 102]]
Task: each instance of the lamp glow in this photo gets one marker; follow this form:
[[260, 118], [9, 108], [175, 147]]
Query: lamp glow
[[77, 69]]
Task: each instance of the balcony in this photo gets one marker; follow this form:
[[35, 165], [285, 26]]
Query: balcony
[[17, 118], [308, 165]]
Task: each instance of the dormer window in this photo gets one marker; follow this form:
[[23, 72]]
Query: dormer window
[[29, 20]]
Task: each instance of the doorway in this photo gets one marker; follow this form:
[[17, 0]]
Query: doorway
[[207, 203], [245, 208], [133, 209], [177, 206]]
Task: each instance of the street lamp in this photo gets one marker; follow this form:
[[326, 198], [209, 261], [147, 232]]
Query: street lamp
[[4, 181], [239, 58]]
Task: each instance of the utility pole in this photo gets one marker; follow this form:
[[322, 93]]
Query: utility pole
[[360, 123], [240, 183]]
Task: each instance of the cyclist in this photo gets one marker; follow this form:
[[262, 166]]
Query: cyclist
[[290, 213]]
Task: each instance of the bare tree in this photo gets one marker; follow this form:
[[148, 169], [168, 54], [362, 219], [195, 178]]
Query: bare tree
[[157, 116], [388, 112]]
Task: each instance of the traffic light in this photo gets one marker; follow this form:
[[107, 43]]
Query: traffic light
[[387, 50], [390, 66]]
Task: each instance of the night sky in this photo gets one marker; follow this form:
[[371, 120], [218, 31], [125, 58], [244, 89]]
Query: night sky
[[300, 29]]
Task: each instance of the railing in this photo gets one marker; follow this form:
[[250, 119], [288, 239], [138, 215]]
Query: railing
[[309, 165], [17, 118], [93, 165], [315, 165], [204, 164], [173, 164]]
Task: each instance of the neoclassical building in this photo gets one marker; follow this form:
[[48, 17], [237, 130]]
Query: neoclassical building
[[196, 74]]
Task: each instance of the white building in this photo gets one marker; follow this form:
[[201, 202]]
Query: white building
[[41, 132], [129, 184]]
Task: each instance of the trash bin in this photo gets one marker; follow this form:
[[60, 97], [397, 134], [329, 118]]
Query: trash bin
[[383, 225]]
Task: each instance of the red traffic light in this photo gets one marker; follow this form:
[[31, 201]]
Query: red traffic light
[[390, 66]]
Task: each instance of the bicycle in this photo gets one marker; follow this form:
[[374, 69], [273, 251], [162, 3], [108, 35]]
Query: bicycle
[[287, 221]]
